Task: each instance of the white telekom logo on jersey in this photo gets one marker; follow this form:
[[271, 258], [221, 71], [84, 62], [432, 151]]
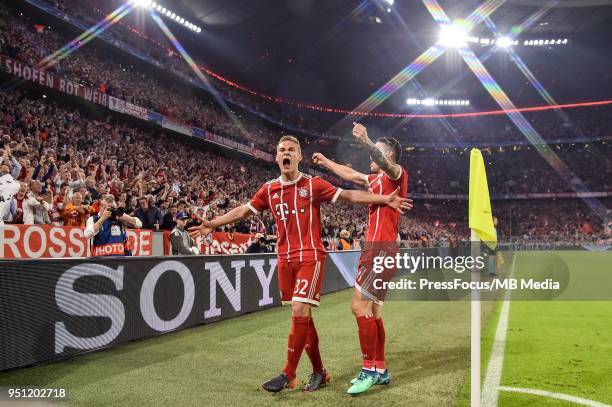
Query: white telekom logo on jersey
[[281, 210]]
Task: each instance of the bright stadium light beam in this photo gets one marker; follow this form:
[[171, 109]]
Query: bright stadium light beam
[[453, 36], [86, 36], [142, 3], [504, 42], [420, 63], [196, 70]]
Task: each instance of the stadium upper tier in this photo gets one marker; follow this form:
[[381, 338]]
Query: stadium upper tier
[[180, 94]]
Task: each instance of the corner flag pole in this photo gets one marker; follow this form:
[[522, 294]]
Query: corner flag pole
[[475, 328], [482, 229]]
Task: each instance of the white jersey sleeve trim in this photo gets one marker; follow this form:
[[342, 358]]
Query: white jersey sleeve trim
[[337, 195], [252, 208]]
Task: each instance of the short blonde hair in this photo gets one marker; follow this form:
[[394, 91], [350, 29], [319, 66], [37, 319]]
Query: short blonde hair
[[289, 138]]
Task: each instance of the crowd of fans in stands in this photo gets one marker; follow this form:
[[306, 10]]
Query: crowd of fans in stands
[[65, 161], [179, 99]]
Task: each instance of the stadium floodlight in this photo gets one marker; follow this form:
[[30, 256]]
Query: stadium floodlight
[[504, 42], [453, 36], [163, 10], [182, 21], [390, 2], [428, 102], [198, 29], [159, 8], [142, 3], [378, 20], [525, 42], [153, 4], [389, 10], [545, 42], [565, 41]]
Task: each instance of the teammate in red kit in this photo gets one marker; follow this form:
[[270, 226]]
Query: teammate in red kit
[[381, 240], [294, 200]]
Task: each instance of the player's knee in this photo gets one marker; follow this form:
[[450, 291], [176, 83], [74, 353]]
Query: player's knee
[[358, 307], [300, 309]]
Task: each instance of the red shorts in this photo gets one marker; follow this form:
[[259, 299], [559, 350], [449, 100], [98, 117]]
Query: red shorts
[[300, 281], [369, 279]]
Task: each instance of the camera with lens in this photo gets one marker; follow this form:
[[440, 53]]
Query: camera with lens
[[117, 213]]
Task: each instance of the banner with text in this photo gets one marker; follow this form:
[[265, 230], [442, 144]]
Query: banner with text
[[217, 243], [52, 80], [56, 308], [45, 241]]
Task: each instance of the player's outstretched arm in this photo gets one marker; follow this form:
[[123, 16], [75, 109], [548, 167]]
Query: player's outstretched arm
[[392, 170], [342, 171], [208, 226], [364, 198]]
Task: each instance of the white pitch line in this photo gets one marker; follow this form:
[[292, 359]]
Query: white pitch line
[[560, 396], [490, 392]]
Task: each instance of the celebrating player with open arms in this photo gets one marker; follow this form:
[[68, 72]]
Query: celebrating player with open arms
[[381, 239], [294, 200]]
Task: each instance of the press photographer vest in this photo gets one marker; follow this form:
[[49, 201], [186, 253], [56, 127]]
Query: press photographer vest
[[111, 240]]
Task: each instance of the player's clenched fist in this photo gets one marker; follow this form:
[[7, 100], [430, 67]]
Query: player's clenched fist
[[360, 133], [319, 159]]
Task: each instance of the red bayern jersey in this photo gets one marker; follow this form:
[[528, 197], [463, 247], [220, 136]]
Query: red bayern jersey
[[296, 207], [383, 221]]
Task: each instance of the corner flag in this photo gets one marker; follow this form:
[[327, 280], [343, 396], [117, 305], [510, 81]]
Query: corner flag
[[480, 218]]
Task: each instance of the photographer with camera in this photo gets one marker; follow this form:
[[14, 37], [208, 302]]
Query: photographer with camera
[[107, 229], [259, 245]]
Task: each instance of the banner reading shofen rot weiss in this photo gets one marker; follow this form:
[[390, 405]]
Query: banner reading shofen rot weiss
[[51, 80], [45, 241], [217, 243]]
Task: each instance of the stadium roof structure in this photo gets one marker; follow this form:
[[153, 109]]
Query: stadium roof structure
[[339, 52]]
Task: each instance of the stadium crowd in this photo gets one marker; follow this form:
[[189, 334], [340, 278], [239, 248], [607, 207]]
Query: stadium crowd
[[65, 160], [179, 99]]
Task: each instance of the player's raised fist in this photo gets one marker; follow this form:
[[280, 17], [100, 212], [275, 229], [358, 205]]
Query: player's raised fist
[[319, 159], [360, 132]]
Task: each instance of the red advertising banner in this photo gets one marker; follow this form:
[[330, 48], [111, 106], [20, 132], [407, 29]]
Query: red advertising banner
[[217, 243], [51, 80], [45, 241]]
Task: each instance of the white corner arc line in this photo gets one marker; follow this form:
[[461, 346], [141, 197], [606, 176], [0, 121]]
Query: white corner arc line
[[492, 381], [559, 396]]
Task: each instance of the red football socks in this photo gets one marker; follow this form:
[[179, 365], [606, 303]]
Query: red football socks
[[367, 339], [379, 356], [312, 347], [296, 342]]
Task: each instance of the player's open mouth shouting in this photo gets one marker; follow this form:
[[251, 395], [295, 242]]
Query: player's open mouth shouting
[[286, 162]]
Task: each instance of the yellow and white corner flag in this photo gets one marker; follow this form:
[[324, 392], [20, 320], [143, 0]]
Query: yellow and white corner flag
[[480, 218]]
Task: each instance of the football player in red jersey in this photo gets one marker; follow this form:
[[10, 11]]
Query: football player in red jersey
[[294, 200], [381, 240]]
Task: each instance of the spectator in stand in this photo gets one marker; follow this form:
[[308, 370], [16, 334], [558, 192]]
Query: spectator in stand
[[150, 216], [169, 220], [181, 242], [257, 226], [35, 207], [345, 242], [75, 213]]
